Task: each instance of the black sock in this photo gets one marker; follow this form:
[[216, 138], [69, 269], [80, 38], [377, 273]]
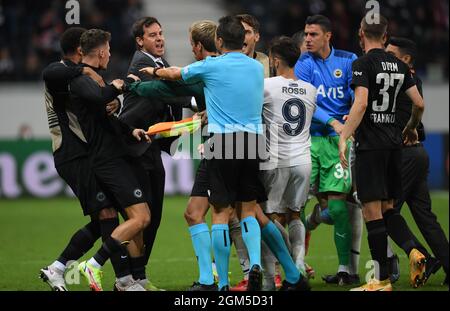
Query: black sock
[[377, 236], [138, 267], [119, 260], [399, 231], [109, 247], [81, 242]]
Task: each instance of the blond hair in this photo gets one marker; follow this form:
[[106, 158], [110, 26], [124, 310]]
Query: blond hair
[[205, 33]]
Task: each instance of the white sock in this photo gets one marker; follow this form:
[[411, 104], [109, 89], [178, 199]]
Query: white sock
[[241, 249], [125, 280], [297, 233], [390, 251], [357, 223], [342, 268], [60, 267], [94, 263], [268, 265]]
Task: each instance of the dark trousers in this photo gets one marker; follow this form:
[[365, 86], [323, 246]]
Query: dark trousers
[[156, 174], [416, 194]]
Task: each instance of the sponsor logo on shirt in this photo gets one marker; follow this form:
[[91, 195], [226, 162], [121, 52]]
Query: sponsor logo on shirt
[[357, 73]]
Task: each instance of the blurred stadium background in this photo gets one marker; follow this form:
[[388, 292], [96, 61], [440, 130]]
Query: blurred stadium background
[[29, 34]]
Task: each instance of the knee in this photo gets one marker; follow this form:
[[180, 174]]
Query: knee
[[145, 220], [339, 214], [107, 213], [193, 216], [142, 220]]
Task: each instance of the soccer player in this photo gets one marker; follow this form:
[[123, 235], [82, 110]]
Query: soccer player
[[71, 161], [289, 105], [415, 169], [252, 36], [106, 155], [299, 39], [140, 112], [329, 70], [378, 77]]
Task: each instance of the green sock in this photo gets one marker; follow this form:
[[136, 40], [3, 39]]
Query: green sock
[[342, 230]]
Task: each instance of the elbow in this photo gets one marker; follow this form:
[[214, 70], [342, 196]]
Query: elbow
[[420, 105]]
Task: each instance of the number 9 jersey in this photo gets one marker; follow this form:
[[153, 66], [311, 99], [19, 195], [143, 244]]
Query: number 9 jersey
[[288, 108], [385, 76]]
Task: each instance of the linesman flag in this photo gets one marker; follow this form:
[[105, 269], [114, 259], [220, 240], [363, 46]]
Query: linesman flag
[[175, 128]]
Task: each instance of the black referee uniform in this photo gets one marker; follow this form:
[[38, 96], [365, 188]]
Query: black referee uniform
[[415, 167]]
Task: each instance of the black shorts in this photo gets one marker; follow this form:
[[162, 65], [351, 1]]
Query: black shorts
[[201, 183], [78, 175], [378, 174], [125, 180]]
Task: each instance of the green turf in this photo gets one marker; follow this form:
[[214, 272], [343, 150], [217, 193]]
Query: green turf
[[34, 232]]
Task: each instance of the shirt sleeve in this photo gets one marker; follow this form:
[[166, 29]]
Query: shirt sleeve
[[409, 81], [195, 72], [322, 116], [304, 69], [88, 90], [350, 76], [360, 74]]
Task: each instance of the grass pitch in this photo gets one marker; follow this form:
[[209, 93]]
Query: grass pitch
[[34, 232]]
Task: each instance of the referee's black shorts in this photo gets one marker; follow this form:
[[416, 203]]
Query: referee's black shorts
[[124, 179], [378, 174], [78, 175], [201, 182], [233, 169]]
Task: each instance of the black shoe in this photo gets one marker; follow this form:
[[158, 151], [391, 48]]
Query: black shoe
[[394, 268], [226, 288], [431, 267], [340, 278], [301, 286], [254, 279], [197, 287], [354, 279]]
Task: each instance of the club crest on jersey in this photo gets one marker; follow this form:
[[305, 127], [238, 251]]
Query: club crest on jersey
[[138, 193], [101, 197], [338, 73]]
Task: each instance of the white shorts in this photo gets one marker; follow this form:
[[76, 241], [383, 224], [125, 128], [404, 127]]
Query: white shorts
[[286, 188]]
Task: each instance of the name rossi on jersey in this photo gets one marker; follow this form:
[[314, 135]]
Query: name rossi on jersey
[[293, 90], [382, 118]]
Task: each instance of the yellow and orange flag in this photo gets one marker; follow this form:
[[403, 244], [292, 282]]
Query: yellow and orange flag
[[175, 128]]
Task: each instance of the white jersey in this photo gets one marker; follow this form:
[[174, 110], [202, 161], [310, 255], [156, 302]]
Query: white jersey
[[287, 112]]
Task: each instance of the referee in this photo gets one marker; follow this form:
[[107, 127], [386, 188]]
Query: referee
[[415, 166]]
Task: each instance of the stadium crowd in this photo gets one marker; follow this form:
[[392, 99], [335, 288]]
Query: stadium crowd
[[427, 20], [30, 32]]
